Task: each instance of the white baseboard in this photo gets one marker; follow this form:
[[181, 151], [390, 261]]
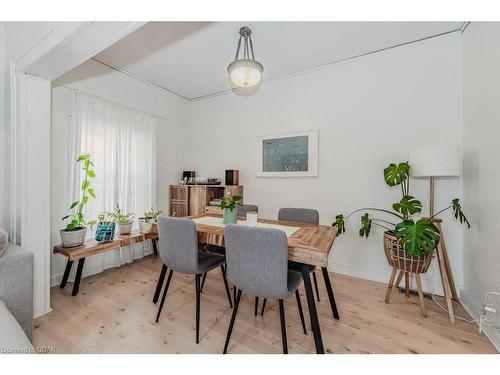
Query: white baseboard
[[475, 311]]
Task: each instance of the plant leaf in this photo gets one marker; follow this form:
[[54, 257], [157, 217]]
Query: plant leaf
[[85, 184], [366, 225], [339, 223], [236, 198], [83, 157], [91, 192], [85, 199], [396, 174], [91, 173], [65, 217], [73, 205], [417, 238], [458, 213], [408, 205]]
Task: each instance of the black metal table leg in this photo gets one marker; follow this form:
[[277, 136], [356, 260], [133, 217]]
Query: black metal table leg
[[329, 290], [67, 270], [160, 283], [155, 248], [78, 277], [316, 286], [313, 314]]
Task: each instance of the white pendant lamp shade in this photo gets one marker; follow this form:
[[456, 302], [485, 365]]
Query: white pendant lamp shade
[[435, 161], [245, 72]]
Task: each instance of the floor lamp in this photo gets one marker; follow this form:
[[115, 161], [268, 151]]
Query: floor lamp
[[434, 162]]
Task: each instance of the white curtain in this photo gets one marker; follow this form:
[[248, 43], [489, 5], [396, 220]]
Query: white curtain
[[121, 143]]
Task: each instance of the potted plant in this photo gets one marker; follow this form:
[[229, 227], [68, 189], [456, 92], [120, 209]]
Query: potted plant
[[74, 233], [124, 221], [105, 231], [150, 217], [408, 242], [228, 205]]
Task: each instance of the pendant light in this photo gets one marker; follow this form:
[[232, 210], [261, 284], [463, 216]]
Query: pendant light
[[245, 72]]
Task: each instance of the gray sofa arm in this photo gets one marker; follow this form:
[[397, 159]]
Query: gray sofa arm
[[16, 285]]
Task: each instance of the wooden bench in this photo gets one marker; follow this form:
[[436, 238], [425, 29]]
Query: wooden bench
[[93, 247]]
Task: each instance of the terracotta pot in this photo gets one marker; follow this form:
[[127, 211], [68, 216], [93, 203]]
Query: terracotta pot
[[126, 227], [400, 259], [72, 238]]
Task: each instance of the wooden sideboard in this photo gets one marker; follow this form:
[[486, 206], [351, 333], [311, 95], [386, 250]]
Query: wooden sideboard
[[188, 200]]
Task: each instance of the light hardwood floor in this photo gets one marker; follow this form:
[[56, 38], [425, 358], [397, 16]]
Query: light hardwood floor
[[114, 314]]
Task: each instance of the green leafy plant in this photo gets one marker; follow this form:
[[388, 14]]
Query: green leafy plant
[[77, 208], [417, 236], [229, 202], [152, 214], [105, 217], [119, 217]]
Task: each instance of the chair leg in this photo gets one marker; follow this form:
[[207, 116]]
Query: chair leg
[[389, 286], [407, 284], [423, 310], [283, 327], [226, 285], [263, 307], [301, 312], [160, 283], [233, 318], [198, 292], [164, 296], [316, 286], [256, 305], [203, 282]]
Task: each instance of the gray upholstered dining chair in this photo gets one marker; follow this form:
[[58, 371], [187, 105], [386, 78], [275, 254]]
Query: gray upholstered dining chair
[[257, 263], [242, 209], [297, 215], [308, 216], [180, 252]]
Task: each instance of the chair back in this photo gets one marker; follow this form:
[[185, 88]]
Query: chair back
[[244, 208], [299, 215], [178, 244], [257, 260]]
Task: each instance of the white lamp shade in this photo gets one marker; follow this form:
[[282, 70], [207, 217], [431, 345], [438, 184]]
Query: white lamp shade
[[435, 161], [245, 73]]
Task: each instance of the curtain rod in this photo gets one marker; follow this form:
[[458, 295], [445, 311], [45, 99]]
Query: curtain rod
[[113, 102]]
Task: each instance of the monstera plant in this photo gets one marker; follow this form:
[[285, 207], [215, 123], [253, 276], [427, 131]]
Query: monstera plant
[[417, 236]]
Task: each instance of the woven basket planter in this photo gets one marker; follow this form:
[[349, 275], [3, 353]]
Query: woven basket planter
[[400, 259]]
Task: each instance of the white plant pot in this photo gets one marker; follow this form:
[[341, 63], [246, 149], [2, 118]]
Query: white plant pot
[[145, 226], [125, 228], [72, 238]]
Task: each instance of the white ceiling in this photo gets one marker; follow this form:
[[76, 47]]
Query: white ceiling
[[190, 58]]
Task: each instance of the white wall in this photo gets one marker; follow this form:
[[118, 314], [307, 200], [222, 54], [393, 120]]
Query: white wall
[[369, 111], [3, 131], [481, 81], [97, 79]]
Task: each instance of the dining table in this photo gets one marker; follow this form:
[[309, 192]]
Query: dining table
[[308, 245]]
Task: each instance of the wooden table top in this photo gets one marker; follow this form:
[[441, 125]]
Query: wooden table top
[[311, 244], [92, 247]]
